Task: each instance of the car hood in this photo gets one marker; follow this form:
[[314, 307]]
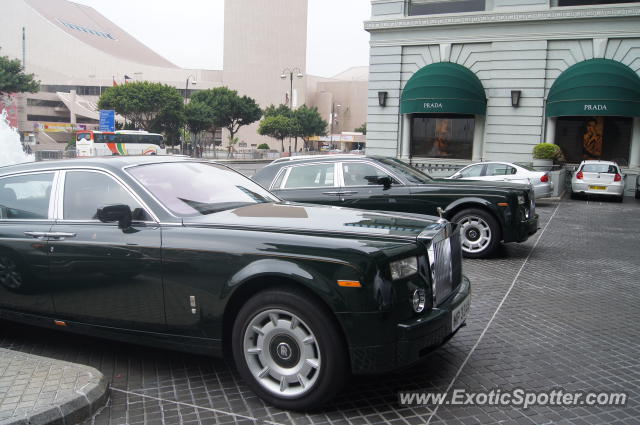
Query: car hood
[[482, 184], [319, 219]]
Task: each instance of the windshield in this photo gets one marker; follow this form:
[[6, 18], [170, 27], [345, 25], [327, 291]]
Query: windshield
[[599, 168], [197, 188], [403, 169]]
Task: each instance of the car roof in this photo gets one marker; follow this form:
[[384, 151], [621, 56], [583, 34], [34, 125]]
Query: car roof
[[597, 161], [322, 158], [107, 162]]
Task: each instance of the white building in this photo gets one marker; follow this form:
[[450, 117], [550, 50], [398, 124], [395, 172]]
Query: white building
[[77, 53], [489, 79]]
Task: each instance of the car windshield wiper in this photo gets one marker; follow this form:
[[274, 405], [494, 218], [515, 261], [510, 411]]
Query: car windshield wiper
[[209, 208]]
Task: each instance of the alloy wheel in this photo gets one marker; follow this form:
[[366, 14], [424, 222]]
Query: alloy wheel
[[476, 234], [282, 353]]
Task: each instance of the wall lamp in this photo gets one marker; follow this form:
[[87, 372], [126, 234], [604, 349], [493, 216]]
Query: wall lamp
[[382, 98], [515, 97]]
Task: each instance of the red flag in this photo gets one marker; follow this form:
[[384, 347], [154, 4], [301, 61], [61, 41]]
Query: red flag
[[114, 82]]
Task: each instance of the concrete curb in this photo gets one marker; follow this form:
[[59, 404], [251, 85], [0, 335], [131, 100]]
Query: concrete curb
[[89, 393]]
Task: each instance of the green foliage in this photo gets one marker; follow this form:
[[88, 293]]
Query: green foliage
[[279, 127], [546, 151], [263, 146], [230, 110], [362, 129], [309, 123], [13, 79], [272, 111], [199, 117], [150, 106]]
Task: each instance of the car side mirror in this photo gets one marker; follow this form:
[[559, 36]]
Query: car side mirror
[[385, 181], [120, 213]]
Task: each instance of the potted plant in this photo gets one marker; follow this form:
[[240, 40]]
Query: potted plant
[[544, 154]]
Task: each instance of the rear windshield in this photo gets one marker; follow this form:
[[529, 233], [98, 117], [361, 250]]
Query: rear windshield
[[525, 166], [599, 168]]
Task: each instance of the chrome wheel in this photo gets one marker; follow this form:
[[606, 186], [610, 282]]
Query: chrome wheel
[[282, 353], [10, 276], [476, 234]]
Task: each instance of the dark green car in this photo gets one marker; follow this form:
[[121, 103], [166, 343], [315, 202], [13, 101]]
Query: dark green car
[[487, 212], [193, 256]]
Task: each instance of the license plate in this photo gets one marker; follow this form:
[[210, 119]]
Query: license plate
[[598, 187], [460, 314]]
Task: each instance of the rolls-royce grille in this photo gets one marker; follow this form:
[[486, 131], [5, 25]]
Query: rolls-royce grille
[[445, 260]]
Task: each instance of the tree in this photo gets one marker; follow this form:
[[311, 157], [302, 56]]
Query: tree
[[199, 117], [362, 129], [230, 110], [169, 122], [13, 79], [272, 111], [279, 127], [309, 123], [147, 105]]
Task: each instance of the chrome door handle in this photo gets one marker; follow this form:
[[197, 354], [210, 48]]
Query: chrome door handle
[[37, 235], [56, 236], [352, 192], [332, 193]]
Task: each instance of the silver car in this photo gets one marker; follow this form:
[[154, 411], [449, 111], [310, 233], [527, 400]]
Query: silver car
[[598, 178], [506, 171]]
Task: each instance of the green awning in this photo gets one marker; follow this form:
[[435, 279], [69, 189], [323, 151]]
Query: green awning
[[595, 87], [443, 87]]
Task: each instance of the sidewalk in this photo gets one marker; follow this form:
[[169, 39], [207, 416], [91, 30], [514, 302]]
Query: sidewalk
[[38, 390]]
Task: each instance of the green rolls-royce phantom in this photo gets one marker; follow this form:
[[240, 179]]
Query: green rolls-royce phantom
[[487, 212], [191, 255]]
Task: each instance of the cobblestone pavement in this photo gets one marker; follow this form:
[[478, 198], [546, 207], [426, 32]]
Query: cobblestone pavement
[[563, 314]]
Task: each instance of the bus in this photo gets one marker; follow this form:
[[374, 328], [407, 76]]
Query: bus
[[125, 142]]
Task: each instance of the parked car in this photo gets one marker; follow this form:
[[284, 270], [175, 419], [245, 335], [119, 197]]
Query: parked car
[[488, 212], [595, 177], [191, 255], [508, 172]]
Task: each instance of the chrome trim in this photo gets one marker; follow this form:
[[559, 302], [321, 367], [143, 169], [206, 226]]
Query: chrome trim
[[272, 185], [445, 261]]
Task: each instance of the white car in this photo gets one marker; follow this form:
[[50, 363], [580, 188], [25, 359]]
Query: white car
[[598, 178], [506, 171]]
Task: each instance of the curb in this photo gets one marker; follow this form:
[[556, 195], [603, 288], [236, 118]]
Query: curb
[[79, 405]]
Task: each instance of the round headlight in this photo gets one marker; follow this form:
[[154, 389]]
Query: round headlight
[[418, 301]]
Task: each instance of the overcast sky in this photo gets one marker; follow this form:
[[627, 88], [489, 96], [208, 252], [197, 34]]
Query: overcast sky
[[176, 30]]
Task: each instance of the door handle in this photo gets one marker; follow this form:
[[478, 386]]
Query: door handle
[[332, 193], [56, 236], [352, 192]]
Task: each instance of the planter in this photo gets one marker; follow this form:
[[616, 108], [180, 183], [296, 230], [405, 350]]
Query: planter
[[543, 164]]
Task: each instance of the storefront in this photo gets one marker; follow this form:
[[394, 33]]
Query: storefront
[[593, 111], [443, 105]]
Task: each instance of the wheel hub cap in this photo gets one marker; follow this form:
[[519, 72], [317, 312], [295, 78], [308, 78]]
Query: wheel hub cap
[[284, 351], [476, 234]]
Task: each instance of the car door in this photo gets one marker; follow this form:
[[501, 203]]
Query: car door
[[500, 172], [314, 183], [26, 218], [472, 172], [360, 188], [102, 274]]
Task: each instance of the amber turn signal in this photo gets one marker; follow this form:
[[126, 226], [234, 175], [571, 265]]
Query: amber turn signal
[[349, 283]]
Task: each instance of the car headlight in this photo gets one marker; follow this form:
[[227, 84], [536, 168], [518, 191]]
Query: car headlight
[[403, 268], [521, 199]]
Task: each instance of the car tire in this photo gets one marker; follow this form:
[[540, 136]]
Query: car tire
[[288, 351], [574, 195], [637, 194], [619, 198], [14, 276], [480, 233]]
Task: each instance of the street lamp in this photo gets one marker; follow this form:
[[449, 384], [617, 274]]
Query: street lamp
[[290, 73], [334, 115], [186, 98]]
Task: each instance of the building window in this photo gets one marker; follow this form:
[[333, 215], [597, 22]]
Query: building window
[[46, 103], [442, 136], [47, 118], [561, 3], [606, 138], [436, 7]]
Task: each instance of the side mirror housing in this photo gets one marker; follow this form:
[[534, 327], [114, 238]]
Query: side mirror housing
[[385, 181], [112, 213]]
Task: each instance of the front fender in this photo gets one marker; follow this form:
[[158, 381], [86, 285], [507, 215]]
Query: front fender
[[317, 277], [470, 202]]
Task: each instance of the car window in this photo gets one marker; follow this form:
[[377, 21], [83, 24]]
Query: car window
[[411, 174], [499, 170], [86, 191], [361, 174], [599, 168], [312, 175], [26, 196], [472, 171]]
